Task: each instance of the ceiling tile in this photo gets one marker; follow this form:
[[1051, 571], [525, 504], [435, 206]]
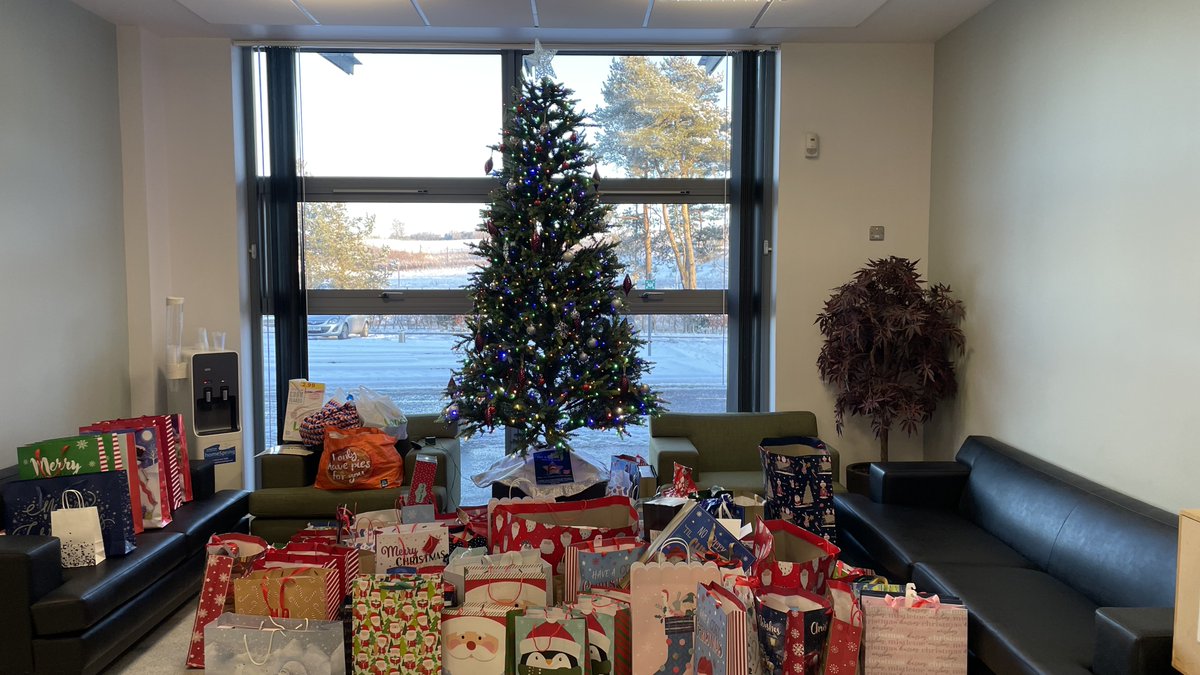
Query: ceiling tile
[[478, 13], [818, 13], [255, 12], [363, 12], [705, 13], [591, 13]]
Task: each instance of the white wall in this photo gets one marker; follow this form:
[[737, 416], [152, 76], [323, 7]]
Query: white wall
[[872, 107], [62, 345], [1065, 211]]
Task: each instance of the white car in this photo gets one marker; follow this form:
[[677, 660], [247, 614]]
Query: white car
[[339, 326]]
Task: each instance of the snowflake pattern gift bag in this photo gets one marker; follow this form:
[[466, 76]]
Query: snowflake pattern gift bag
[[792, 629]]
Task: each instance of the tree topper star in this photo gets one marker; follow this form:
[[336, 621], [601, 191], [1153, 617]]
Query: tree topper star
[[538, 62]]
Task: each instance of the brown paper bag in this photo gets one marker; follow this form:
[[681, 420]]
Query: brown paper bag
[[290, 593]]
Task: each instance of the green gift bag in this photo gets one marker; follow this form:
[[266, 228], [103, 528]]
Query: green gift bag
[[69, 456]]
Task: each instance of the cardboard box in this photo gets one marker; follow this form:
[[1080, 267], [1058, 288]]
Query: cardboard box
[[1185, 649]]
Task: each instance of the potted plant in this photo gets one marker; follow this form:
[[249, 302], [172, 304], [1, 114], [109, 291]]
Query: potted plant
[[890, 341]]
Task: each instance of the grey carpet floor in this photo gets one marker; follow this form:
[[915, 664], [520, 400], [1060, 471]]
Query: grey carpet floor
[[163, 651]]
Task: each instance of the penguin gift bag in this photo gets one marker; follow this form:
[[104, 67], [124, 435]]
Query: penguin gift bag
[[547, 641]]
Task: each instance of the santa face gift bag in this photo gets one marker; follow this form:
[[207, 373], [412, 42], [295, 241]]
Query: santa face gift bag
[[474, 639]]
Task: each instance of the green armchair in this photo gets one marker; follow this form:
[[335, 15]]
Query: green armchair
[[722, 448], [287, 500]]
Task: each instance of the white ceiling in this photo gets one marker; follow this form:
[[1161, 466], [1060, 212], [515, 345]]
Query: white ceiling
[[555, 22]]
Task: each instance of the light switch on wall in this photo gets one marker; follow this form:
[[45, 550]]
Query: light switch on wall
[[876, 233]]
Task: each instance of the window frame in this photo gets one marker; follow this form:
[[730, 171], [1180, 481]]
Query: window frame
[[745, 193]]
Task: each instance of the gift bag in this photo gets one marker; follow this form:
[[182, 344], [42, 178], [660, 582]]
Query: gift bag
[[474, 640], [237, 643], [913, 633], [152, 472], [662, 613], [175, 422], [333, 415], [720, 643], [421, 489], [289, 593], [610, 633], [411, 545], [659, 511], [359, 458], [459, 564], [625, 477], [600, 562], [788, 556], [29, 503], [694, 535], [792, 628], [345, 558], [798, 472], [166, 445], [282, 560], [230, 556], [78, 530], [745, 588], [68, 457], [397, 624], [845, 631], [547, 640], [550, 527], [511, 586]]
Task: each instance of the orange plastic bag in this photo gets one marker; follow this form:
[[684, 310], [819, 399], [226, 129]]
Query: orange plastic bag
[[360, 458]]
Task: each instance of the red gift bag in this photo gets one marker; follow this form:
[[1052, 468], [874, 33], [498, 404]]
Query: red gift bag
[[153, 473], [550, 527], [788, 556], [230, 556], [345, 557], [275, 559]]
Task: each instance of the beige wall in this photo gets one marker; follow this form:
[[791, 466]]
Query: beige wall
[[62, 344], [872, 107], [1065, 205]]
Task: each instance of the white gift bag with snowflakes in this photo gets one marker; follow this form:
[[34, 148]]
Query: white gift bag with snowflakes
[[78, 530]]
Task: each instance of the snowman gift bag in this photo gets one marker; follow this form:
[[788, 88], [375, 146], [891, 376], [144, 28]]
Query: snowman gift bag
[[547, 641]]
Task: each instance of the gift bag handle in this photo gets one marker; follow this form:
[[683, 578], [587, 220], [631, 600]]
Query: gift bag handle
[[66, 503], [270, 647]]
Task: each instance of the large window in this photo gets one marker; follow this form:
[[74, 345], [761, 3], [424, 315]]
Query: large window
[[367, 242]]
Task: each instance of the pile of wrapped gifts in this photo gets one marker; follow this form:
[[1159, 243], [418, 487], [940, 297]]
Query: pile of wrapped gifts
[[535, 587], [95, 491]]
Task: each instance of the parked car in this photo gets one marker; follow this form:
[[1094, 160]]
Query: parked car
[[339, 326]]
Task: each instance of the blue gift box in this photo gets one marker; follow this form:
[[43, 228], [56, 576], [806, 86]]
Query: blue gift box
[[28, 503]]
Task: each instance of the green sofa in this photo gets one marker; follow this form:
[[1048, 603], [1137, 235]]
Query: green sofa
[[722, 448], [287, 500]]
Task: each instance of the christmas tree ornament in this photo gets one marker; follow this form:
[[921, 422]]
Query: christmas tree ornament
[[627, 285], [596, 175], [479, 342], [487, 167], [592, 342]]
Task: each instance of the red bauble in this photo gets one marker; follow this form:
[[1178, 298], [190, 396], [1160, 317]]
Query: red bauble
[[535, 242], [624, 384], [489, 414], [479, 342], [627, 285], [487, 166]]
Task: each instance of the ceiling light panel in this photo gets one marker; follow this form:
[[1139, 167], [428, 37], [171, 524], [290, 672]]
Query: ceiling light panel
[[478, 13], [705, 13], [248, 12], [818, 13], [592, 13], [363, 12]]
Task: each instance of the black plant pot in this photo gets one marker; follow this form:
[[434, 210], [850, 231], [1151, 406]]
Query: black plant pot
[[858, 478]]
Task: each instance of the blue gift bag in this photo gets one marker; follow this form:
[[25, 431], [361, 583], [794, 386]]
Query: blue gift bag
[[28, 503], [798, 473]]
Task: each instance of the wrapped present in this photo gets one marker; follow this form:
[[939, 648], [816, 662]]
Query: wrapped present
[[550, 527], [720, 643], [286, 592], [798, 473], [547, 640], [153, 473], [600, 562], [913, 633], [790, 556], [662, 613], [474, 639], [793, 625], [411, 545], [694, 535], [631, 476], [28, 504], [397, 624], [237, 643], [610, 635]]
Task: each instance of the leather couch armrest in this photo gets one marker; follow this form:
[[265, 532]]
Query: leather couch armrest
[[929, 484], [31, 567], [1133, 640], [665, 451]]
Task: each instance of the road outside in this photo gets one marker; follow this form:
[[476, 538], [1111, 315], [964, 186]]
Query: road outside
[[413, 368]]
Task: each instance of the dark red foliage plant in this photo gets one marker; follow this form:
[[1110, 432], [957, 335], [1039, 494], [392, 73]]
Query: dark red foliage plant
[[890, 344]]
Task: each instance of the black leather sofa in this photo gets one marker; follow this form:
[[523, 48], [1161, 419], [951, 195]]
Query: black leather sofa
[[1059, 574], [55, 620]]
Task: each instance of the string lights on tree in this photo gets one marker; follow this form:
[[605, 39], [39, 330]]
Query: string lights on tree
[[548, 350]]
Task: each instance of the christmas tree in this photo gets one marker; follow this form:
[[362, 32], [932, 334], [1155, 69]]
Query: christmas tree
[[547, 350]]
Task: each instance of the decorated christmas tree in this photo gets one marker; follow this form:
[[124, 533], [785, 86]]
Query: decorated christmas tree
[[548, 350]]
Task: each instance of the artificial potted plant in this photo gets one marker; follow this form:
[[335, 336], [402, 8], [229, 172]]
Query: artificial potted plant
[[890, 341]]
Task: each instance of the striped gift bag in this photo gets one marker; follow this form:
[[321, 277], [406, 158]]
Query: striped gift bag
[[720, 642], [514, 586]]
